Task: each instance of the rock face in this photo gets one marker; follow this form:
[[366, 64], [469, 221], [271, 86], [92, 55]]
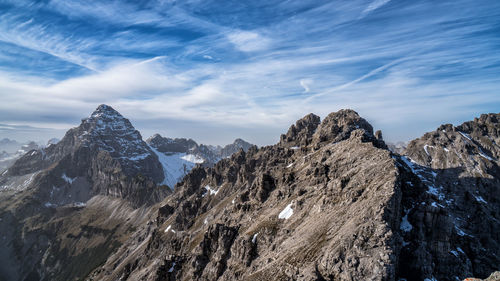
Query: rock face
[[329, 202], [179, 156], [230, 149], [65, 207], [301, 133], [105, 130], [455, 216]]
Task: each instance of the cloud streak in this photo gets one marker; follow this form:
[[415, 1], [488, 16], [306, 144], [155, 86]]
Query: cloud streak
[[249, 69]]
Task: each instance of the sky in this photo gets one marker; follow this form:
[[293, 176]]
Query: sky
[[216, 70]]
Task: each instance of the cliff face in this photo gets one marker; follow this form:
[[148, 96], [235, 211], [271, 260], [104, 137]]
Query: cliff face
[[64, 208], [324, 210], [330, 202], [455, 209]]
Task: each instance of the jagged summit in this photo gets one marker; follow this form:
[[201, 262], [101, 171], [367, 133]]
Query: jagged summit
[[467, 144], [105, 130], [105, 110], [106, 120], [337, 126], [328, 202], [339, 207], [301, 132]]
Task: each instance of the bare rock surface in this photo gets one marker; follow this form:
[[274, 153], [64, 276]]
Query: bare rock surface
[[64, 208], [330, 201]]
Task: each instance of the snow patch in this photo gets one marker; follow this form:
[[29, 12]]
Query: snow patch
[[480, 199], [68, 179], [210, 190], [436, 191], [286, 213], [461, 232], [465, 136], [169, 227], [294, 147], [175, 166], [411, 164], [193, 158], [254, 238], [482, 154], [425, 148]]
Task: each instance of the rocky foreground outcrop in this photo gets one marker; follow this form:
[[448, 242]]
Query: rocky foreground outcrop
[[330, 202]]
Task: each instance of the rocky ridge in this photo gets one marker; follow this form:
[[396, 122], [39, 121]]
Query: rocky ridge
[[330, 202]]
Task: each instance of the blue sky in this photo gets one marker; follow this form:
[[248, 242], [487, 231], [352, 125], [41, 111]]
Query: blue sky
[[214, 70]]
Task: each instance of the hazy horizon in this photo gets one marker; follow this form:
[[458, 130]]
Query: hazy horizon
[[25, 134], [214, 71]]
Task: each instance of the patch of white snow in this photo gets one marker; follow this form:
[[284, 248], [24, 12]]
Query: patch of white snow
[[254, 238], [286, 213], [67, 179], [210, 190], [480, 199], [193, 158]]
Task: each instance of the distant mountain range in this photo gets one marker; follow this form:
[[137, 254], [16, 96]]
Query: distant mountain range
[[329, 201], [11, 150]]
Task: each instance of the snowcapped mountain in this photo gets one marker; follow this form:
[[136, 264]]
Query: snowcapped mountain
[[104, 147], [179, 156]]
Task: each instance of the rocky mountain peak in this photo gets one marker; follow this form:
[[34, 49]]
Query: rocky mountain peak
[[337, 126], [472, 144], [105, 130], [106, 120], [301, 132], [104, 110]]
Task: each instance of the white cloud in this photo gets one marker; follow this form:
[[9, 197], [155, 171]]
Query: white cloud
[[249, 41], [305, 84], [414, 69], [374, 5]]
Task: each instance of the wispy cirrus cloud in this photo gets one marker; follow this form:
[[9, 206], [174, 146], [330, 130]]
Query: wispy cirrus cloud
[[249, 69]]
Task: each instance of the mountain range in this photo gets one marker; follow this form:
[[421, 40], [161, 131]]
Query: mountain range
[[329, 201]]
